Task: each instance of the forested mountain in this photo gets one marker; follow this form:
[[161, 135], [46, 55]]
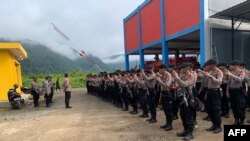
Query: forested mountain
[[41, 60]]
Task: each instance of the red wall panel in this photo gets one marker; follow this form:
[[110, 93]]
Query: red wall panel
[[151, 22], [131, 33], [181, 14]]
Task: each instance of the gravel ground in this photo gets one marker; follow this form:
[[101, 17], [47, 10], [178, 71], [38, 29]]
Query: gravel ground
[[91, 119]]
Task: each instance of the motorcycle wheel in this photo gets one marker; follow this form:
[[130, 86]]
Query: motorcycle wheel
[[18, 105]]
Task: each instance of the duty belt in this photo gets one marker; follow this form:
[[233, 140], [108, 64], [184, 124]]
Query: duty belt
[[214, 89], [235, 88]]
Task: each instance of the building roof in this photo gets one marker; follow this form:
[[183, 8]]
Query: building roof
[[15, 49], [240, 11]]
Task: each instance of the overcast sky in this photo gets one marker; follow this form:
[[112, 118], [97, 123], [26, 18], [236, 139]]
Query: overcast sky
[[95, 26]]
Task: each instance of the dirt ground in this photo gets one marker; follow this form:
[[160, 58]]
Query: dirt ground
[[90, 119]]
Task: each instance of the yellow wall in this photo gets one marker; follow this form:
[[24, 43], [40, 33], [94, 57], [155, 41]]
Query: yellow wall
[[10, 73]]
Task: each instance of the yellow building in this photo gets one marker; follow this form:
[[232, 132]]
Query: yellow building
[[10, 68]]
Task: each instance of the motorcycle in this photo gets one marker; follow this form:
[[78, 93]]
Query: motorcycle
[[15, 99]]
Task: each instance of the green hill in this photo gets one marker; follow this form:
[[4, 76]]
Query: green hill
[[42, 60]]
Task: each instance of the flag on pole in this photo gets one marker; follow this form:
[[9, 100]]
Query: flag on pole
[[82, 53], [60, 32]]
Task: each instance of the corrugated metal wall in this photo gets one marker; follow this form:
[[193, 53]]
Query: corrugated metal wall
[[219, 5], [222, 41]]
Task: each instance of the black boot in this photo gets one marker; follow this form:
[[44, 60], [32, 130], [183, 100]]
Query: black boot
[[242, 121], [152, 121], [134, 112], [125, 109], [212, 128], [236, 122], [227, 116], [217, 130], [188, 136], [169, 127], [141, 115], [145, 116], [164, 126], [149, 119], [182, 134]]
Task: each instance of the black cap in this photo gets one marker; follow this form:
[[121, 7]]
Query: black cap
[[222, 65], [171, 66], [132, 70], [191, 65], [211, 62], [139, 70], [148, 69], [235, 63], [162, 66], [243, 64], [185, 65]]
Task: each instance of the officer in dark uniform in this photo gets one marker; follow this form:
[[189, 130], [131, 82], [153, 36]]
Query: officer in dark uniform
[[158, 94], [125, 96], [195, 92], [164, 78], [118, 91], [215, 76], [202, 94], [52, 87], [150, 79], [186, 83], [35, 91], [142, 94], [237, 96], [111, 88], [176, 101], [224, 99], [47, 88], [133, 93]]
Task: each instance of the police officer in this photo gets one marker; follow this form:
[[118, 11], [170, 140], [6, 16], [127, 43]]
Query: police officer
[[133, 96], [158, 94], [202, 94], [142, 93], [103, 86], [67, 90], [165, 79], [215, 76], [186, 83], [58, 84], [35, 90], [51, 84], [194, 91], [224, 99], [236, 94], [173, 88], [124, 86], [118, 91], [150, 79], [47, 89], [111, 88]]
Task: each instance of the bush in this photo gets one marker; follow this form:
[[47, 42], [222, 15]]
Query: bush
[[78, 79]]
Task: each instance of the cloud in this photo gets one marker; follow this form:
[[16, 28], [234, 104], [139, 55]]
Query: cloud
[[95, 26]]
